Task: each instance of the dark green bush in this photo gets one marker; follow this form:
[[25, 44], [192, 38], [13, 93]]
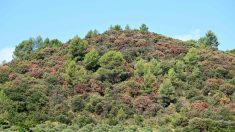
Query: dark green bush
[[78, 103]]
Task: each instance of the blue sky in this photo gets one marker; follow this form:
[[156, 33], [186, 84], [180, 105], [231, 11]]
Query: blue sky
[[63, 19]]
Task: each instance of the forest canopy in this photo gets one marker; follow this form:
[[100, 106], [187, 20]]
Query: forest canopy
[[123, 79]]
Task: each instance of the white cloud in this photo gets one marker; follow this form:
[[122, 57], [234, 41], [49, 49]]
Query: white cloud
[[193, 35], [6, 54]]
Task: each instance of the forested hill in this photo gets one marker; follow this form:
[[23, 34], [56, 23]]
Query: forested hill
[[120, 80]]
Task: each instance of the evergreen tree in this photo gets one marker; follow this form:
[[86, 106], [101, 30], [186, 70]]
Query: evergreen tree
[[116, 27], [77, 48], [209, 40], [71, 72], [25, 49], [143, 28], [111, 60], [127, 27], [140, 67], [191, 57], [91, 60], [167, 92], [147, 87], [92, 33]]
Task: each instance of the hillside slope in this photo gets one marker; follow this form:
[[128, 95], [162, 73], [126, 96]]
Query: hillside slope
[[120, 80]]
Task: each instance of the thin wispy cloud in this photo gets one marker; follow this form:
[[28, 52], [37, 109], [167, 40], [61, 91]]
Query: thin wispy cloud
[[193, 35], [6, 54]]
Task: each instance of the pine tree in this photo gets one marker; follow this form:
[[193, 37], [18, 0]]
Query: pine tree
[[167, 92], [209, 40], [143, 28], [77, 48], [91, 60]]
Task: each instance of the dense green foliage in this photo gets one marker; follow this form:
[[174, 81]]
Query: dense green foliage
[[77, 48], [121, 80], [209, 40]]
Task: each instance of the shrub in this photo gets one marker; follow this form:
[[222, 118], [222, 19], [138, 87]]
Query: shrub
[[121, 115], [77, 103], [200, 124], [36, 99], [83, 119], [221, 72], [142, 103], [232, 81], [37, 73], [227, 89], [199, 105], [3, 77], [50, 126], [93, 102], [5, 106]]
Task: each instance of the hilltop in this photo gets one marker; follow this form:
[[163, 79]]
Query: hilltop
[[120, 80]]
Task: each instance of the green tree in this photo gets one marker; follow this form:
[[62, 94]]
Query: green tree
[[91, 60], [191, 57], [24, 50], [116, 27], [167, 92], [92, 33], [171, 74], [77, 48], [74, 74], [82, 74], [143, 28], [196, 74], [141, 68], [111, 60], [50, 43], [149, 80], [71, 72], [155, 67], [37, 42], [127, 27], [209, 40], [112, 67]]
